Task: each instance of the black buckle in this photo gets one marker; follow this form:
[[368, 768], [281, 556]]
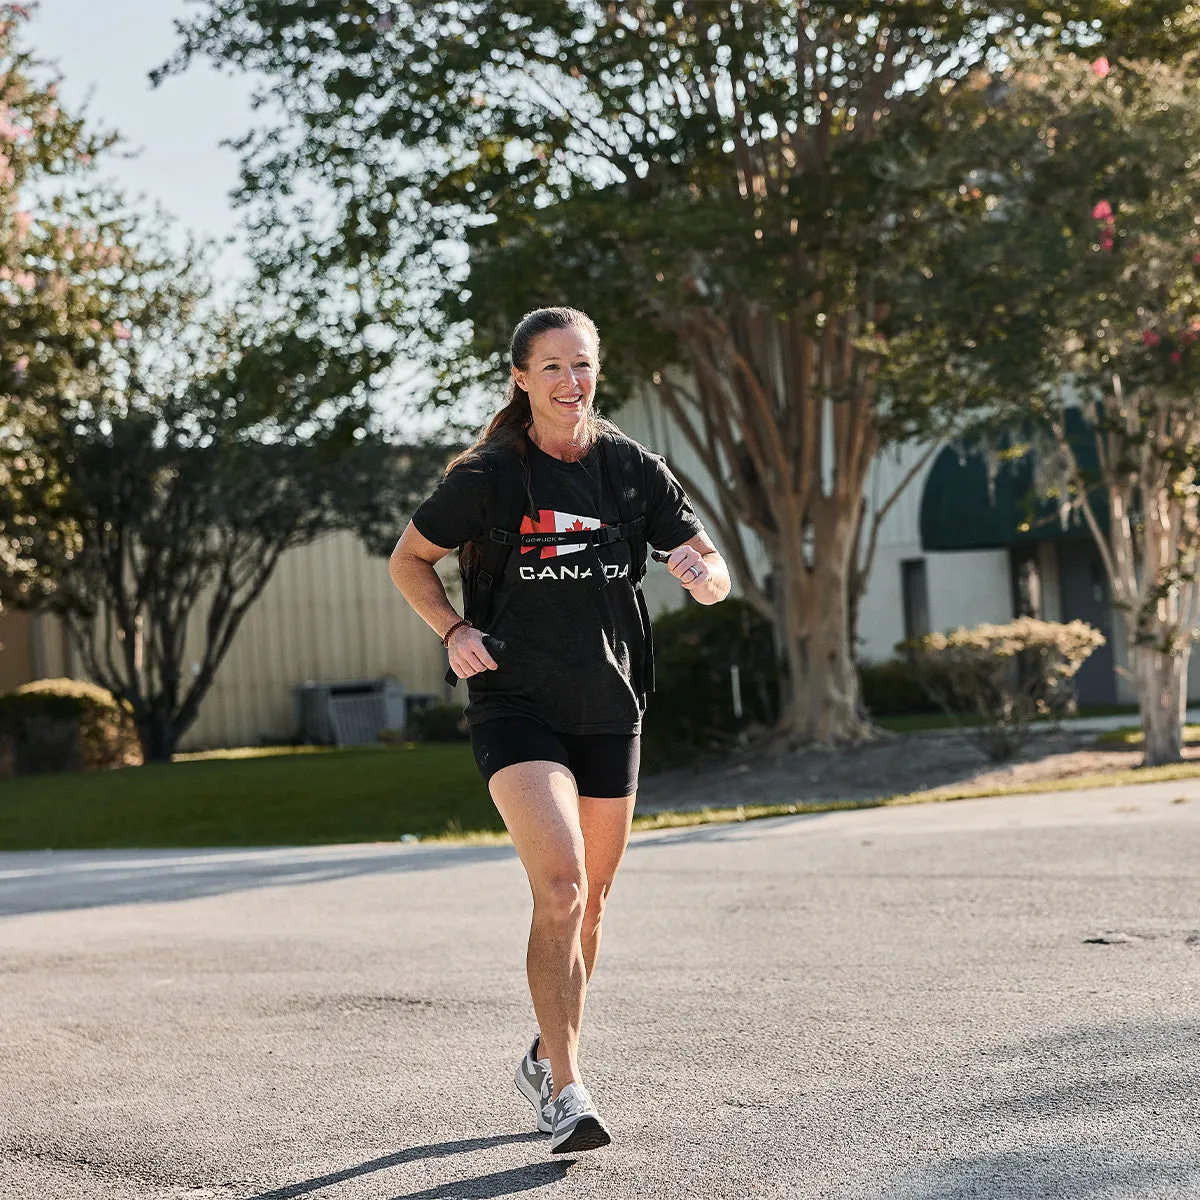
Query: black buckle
[[504, 537]]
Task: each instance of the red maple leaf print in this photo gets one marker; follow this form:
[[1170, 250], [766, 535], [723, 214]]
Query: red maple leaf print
[[576, 525]]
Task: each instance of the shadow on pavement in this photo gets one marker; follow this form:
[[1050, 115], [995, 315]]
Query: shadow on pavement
[[53, 881], [62, 880], [436, 1150], [1101, 1111], [499, 1183]]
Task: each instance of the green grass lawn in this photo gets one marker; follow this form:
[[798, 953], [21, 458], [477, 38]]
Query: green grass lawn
[[296, 796], [1131, 736], [248, 799], [919, 722]]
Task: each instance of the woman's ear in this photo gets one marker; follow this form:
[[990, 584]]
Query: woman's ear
[[519, 379]]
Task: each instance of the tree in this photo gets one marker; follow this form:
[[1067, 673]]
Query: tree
[[230, 435], [1091, 268], [728, 188], [64, 269]]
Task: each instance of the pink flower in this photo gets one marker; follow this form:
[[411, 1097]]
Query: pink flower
[[1102, 211], [1151, 338], [24, 280], [1100, 67], [22, 221], [20, 367], [1106, 241], [122, 331], [1176, 357], [1196, 258]]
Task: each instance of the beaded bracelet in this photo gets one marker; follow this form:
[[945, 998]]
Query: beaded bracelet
[[450, 631]]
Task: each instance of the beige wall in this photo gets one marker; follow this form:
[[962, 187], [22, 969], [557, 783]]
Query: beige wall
[[330, 612], [16, 650]]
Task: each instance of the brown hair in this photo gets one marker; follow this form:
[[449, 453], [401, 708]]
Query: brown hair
[[507, 428]]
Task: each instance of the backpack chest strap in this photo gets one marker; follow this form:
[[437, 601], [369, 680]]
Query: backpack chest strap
[[604, 536]]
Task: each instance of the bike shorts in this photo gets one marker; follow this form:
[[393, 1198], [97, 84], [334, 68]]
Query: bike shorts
[[604, 764]]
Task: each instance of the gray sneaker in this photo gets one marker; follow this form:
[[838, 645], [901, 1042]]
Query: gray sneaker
[[534, 1083], [577, 1124]]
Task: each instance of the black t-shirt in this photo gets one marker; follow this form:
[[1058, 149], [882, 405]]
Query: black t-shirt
[[574, 647]]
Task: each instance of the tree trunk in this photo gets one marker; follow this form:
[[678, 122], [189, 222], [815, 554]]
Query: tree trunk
[[823, 686], [159, 737], [1161, 681]]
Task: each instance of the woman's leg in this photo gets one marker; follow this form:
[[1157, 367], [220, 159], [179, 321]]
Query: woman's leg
[[540, 807], [605, 824]]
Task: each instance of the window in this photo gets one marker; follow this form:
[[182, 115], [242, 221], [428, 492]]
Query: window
[[914, 594]]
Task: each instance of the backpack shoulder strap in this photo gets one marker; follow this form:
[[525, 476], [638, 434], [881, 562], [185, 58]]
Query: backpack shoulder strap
[[507, 490], [625, 469]]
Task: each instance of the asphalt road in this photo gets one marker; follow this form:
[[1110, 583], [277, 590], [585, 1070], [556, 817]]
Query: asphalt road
[[988, 999]]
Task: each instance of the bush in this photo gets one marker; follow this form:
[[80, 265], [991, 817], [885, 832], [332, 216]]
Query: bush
[[692, 708], [437, 723], [65, 725], [894, 689], [1004, 675]]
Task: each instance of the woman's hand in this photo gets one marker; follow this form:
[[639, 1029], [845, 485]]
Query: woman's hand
[[688, 567], [468, 654]]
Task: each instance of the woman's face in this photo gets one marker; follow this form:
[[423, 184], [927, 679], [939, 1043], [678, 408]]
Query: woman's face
[[560, 377]]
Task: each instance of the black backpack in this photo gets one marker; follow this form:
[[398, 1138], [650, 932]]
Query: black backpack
[[508, 500]]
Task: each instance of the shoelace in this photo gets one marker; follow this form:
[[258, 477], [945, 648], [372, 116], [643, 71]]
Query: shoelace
[[573, 1103]]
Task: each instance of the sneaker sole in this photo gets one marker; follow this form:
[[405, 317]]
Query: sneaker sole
[[588, 1134], [526, 1090]]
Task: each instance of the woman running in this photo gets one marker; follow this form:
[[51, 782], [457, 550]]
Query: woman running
[[555, 717]]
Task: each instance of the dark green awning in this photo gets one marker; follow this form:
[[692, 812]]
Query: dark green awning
[[958, 512]]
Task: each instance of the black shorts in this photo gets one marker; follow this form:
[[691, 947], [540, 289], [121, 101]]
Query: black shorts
[[604, 764]]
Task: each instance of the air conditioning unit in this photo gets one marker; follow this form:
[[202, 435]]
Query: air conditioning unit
[[348, 712]]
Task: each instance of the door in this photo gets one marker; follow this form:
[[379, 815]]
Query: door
[[1085, 597]]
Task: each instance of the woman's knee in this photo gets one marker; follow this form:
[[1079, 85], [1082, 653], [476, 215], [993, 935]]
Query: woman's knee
[[562, 898], [597, 898]]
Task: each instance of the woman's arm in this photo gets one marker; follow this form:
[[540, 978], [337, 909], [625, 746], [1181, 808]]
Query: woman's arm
[[700, 569], [411, 567]]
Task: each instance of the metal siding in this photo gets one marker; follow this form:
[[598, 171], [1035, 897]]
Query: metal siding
[[330, 611], [16, 650]]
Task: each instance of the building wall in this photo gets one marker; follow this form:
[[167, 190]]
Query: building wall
[[965, 588], [330, 612], [16, 650]]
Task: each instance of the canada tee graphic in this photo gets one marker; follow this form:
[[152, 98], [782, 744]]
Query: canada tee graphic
[[551, 521]]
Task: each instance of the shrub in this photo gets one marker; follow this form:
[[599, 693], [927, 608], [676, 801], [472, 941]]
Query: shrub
[[65, 725], [437, 723], [1004, 675], [692, 708], [893, 689]]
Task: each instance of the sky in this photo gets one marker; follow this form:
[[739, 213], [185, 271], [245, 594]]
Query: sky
[[104, 51]]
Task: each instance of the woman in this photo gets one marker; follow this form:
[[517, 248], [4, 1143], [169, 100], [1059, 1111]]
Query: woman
[[555, 719]]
